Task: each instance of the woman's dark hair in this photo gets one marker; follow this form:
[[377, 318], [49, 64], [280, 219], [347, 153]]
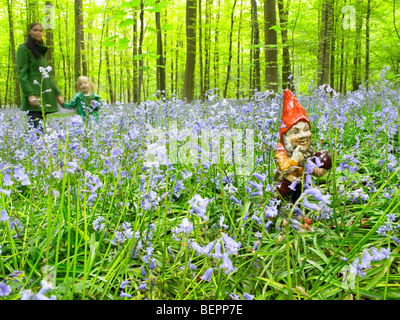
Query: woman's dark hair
[[32, 44]]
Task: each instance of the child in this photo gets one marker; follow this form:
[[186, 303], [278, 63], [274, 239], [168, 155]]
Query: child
[[86, 101]]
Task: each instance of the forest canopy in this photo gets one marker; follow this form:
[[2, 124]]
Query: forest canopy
[[187, 48]]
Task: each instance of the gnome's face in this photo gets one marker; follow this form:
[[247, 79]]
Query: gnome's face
[[299, 135]]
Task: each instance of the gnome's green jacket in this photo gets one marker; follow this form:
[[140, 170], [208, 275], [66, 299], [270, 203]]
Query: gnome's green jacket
[[80, 102], [28, 72]]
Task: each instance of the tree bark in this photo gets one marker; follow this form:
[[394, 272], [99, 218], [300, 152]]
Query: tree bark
[[256, 47], [78, 40], [271, 52], [141, 17], [188, 86], [160, 60], [228, 71], [367, 44], [283, 18], [324, 50], [12, 52]]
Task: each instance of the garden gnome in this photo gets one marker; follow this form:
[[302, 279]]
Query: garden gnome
[[294, 148]]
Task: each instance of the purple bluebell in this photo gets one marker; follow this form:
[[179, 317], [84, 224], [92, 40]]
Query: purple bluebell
[[309, 205], [3, 215], [125, 295], [125, 284], [217, 250], [5, 289], [142, 286], [248, 296], [207, 275], [207, 249], [231, 245], [227, 263]]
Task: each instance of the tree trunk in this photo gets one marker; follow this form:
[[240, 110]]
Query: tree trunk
[[238, 80], [188, 86], [256, 43], [78, 34], [356, 77], [216, 50], [135, 72], [109, 79], [283, 18], [160, 60], [141, 17], [324, 50], [60, 44], [12, 52], [228, 71], [271, 52], [201, 53], [367, 44], [207, 46]]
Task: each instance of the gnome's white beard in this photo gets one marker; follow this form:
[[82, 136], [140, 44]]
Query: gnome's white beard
[[309, 152]]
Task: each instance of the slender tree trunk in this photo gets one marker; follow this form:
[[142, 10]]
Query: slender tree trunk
[[141, 17], [256, 49], [78, 35], [201, 52], [207, 46], [60, 41], [135, 72], [12, 52], [238, 81], [160, 59], [324, 53], [188, 86], [367, 44], [109, 79], [228, 71], [271, 52], [216, 49], [283, 18], [356, 77]]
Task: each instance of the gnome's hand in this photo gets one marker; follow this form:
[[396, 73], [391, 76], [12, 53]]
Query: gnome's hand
[[297, 155]]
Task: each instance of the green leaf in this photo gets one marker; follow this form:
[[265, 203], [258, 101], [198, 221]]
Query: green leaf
[[151, 29], [123, 42], [167, 27], [109, 41], [130, 4], [126, 23]]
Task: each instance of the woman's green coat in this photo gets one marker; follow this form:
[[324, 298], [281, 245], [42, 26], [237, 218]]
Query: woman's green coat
[[28, 72]]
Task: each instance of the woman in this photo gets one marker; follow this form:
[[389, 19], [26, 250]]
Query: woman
[[30, 60]]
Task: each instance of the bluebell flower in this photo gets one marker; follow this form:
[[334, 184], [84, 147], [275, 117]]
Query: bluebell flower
[[97, 224], [207, 249], [217, 250], [197, 248], [207, 275], [3, 215], [366, 260], [309, 205], [248, 296], [234, 296], [231, 245], [26, 295], [293, 185], [5, 289], [318, 195], [125, 295], [125, 284], [227, 263], [142, 286], [186, 226], [267, 224], [221, 222], [260, 176]]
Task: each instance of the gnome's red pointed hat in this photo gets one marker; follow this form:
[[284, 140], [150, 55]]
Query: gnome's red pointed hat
[[292, 113]]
